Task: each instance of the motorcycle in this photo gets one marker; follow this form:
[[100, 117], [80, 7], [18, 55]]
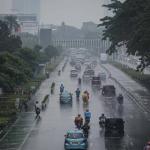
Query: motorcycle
[[38, 112], [79, 81], [102, 123], [85, 99], [120, 99], [86, 129], [52, 88], [87, 120], [59, 72]]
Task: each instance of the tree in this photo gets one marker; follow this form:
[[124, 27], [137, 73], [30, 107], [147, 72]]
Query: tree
[[13, 71], [129, 25], [8, 42], [51, 51], [12, 23]]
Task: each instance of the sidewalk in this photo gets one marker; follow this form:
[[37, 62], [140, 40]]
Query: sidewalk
[[139, 94], [18, 132]]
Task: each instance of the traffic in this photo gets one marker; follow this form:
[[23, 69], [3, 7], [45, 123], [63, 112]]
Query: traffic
[[83, 96]]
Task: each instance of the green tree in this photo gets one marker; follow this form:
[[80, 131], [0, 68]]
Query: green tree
[[129, 25], [51, 51], [8, 42], [12, 23]]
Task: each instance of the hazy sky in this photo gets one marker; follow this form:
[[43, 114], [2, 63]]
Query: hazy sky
[[72, 12]]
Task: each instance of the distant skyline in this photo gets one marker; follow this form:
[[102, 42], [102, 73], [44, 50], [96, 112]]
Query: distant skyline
[[72, 12]]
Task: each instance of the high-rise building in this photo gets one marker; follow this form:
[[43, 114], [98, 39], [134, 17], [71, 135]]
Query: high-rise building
[[26, 7]]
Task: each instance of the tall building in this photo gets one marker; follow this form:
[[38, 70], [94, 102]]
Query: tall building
[[26, 7]]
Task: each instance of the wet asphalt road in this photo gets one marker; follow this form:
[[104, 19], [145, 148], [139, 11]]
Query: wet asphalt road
[[48, 132]]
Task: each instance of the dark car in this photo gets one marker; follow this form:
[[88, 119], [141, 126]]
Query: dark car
[[66, 98], [109, 90], [114, 127], [96, 82]]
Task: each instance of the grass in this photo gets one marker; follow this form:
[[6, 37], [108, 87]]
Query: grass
[[4, 120]]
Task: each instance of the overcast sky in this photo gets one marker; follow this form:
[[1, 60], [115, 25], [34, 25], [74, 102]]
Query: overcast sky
[[72, 12]]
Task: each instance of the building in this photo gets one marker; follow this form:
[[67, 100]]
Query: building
[[45, 36], [27, 7]]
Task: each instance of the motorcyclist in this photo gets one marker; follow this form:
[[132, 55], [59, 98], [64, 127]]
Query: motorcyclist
[[147, 146], [86, 92], [85, 129], [59, 72], [61, 88], [102, 120], [78, 121], [78, 93], [37, 108], [52, 87], [87, 115], [79, 80], [85, 97], [109, 75], [120, 98]]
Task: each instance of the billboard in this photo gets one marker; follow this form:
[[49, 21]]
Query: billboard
[[45, 37]]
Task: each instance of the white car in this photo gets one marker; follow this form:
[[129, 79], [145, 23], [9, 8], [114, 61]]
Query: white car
[[73, 73]]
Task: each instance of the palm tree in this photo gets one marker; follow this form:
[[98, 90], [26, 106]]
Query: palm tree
[[12, 23]]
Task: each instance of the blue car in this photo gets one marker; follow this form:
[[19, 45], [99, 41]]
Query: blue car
[[75, 139], [65, 97]]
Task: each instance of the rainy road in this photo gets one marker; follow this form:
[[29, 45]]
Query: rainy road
[[48, 132]]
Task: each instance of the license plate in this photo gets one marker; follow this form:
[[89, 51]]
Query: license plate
[[74, 142]]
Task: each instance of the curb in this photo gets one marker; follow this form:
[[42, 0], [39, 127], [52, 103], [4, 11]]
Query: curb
[[134, 98]]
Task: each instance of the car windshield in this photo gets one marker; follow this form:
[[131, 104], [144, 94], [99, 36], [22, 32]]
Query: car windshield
[[73, 71], [75, 135]]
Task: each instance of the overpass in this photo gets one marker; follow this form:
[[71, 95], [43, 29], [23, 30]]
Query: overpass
[[96, 44]]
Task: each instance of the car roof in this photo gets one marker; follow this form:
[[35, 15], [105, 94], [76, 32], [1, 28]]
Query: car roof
[[74, 131], [108, 86], [65, 93]]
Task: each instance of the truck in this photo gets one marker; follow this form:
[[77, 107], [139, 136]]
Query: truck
[[103, 58]]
